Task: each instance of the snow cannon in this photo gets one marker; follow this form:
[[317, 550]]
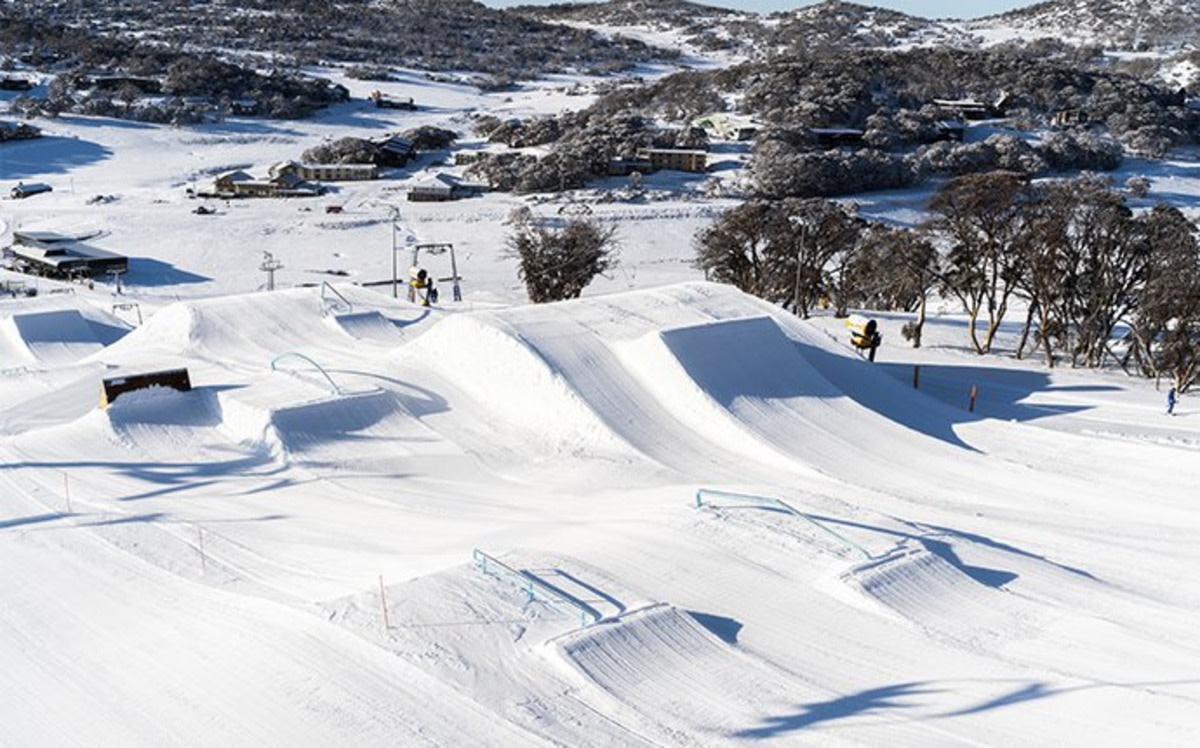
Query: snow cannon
[[420, 286], [864, 334]]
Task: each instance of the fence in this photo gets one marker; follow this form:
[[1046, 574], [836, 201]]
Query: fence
[[532, 586], [781, 505]]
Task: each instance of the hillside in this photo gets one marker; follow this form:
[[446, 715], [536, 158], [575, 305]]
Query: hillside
[[843, 26], [484, 525], [1128, 25], [436, 34], [754, 36]]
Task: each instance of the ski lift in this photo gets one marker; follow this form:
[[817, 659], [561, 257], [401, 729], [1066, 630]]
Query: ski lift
[[438, 250]]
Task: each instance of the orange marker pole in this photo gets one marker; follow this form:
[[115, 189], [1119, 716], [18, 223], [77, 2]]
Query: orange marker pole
[[974, 392]]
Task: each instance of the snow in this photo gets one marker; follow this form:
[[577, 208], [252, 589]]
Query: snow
[[288, 552]]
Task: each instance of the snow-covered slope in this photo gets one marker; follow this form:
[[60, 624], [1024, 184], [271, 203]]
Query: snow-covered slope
[[294, 548], [1133, 25]]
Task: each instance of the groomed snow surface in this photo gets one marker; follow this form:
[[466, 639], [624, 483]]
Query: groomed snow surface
[[395, 526], [376, 524]]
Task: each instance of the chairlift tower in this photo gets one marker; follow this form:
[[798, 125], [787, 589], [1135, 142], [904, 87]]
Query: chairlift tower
[[394, 216], [269, 266], [116, 279]]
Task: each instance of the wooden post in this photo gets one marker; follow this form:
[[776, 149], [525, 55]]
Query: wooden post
[[383, 603], [916, 377], [974, 392], [200, 547]]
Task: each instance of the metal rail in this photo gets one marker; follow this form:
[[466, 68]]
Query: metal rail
[[492, 566], [782, 506], [292, 354]]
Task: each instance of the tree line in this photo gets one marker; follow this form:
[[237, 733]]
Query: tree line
[[1099, 282]]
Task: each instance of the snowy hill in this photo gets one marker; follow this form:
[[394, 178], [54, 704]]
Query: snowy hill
[[850, 25], [1131, 25], [706, 30]]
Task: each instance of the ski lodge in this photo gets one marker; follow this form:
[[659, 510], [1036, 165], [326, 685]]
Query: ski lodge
[[56, 256]]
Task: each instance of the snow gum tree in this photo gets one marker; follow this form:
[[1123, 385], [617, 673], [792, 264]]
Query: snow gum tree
[[981, 217], [784, 251], [557, 263], [1047, 263], [1166, 326], [895, 269], [745, 248], [1106, 255]]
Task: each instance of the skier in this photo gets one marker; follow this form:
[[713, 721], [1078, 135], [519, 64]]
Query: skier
[[1171, 401]]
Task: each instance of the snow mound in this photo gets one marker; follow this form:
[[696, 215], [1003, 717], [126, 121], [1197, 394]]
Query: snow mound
[[928, 590], [661, 663], [297, 416], [56, 337], [514, 385], [164, 406], [741, 381], [254, 328]]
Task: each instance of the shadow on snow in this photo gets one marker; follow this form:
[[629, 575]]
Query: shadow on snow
[[48, 155]]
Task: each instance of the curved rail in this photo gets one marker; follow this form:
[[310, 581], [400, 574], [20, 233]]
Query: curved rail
[[292, 354]]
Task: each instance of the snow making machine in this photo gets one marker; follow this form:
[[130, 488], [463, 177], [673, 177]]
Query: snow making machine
[[864, 334]]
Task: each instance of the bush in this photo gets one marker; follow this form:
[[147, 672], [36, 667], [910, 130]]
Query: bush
[[1081, 152], [558, 263], [501, 171], [342, 151], [781, 171], [429, 138]]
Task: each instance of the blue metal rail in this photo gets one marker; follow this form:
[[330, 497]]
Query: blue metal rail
[[533, 587], [703, 493]]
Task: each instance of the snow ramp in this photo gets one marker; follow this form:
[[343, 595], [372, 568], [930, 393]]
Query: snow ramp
[[747, 383], [251, 329], [676, 680], [369, 326], [559, 371], [55, 337], [744, 384], [516, 391], [938, 596]]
